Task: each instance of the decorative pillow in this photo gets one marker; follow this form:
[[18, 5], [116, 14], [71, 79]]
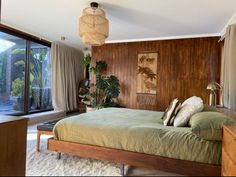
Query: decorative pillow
[[207, 108], [195, 101], [171, 111], [189, 107], [208, 125]]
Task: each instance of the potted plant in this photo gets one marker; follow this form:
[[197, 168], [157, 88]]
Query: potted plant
[[105, 90]]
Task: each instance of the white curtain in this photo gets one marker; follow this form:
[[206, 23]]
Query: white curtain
[[229, 68], [66, 74]]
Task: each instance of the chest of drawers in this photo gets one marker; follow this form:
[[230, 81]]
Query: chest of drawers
[[229, 151], [13, 132]]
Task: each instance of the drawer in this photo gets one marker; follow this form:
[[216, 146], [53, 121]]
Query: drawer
[[228, 166], [229, 144]]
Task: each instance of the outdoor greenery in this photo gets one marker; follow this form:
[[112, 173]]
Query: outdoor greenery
[[37, 81], [25, 75], [104, 91], [3, 64], [17, 87]]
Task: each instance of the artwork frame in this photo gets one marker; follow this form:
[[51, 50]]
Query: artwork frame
[[147, 77], [147, 72]]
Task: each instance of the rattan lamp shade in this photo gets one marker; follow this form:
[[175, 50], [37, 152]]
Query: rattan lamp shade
[[93, 26]]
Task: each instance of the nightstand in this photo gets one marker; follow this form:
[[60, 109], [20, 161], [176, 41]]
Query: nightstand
[[229, 151], [227, 112]]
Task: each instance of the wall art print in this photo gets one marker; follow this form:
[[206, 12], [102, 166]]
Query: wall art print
[[147, 77]]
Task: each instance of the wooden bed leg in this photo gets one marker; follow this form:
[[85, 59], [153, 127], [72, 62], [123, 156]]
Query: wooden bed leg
[[122, 169], [38, 141], [58, 156]]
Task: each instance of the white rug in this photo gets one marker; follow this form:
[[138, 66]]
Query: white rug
[[45, 163]]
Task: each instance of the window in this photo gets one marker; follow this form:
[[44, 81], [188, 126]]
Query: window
[[40, 77], [25, 75]]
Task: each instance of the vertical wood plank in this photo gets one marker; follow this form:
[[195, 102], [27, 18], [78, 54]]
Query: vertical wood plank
[[183, 68]]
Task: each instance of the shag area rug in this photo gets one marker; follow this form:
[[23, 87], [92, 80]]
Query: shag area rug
[[45, 163]]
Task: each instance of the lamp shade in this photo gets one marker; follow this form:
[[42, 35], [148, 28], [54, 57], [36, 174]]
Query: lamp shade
[[213, 86], [93, 26]]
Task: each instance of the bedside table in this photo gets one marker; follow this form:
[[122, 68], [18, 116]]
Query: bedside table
[[227, 112], [229, 151]]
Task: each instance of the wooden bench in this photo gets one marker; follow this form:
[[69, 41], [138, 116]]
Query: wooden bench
[[45, 129]]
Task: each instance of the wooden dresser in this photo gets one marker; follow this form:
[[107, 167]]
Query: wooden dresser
[[229, 151], [13, 136]]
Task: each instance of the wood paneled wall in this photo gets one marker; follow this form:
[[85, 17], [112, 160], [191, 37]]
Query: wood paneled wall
[[184, 68]]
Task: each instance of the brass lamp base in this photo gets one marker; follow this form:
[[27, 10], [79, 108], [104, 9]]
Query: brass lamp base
[[212, 100]]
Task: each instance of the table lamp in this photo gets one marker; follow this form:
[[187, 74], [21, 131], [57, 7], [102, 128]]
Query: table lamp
[[212, 86]]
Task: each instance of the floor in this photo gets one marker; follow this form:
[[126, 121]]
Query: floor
[[133, 171]]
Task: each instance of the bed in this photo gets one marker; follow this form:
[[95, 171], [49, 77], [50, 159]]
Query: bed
[[138, 138]]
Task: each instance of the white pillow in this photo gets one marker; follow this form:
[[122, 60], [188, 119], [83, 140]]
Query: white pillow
[[189, 107], [194, 100]]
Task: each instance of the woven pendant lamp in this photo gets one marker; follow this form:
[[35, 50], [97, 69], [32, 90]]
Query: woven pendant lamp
[[93, 25]]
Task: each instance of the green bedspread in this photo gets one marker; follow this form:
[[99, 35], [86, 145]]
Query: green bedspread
[[138, 131]]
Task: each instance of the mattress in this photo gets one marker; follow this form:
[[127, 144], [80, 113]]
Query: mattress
[[139, 131]]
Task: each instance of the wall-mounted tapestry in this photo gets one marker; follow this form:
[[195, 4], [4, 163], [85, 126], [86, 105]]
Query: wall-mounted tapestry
[[147, 77]]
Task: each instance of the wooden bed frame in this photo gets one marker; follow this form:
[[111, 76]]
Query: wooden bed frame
[[135, 159]]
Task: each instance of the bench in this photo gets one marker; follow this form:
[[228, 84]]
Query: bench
[[45, 129]]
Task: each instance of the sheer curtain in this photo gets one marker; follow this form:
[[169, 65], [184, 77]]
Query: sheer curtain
[[229, 68], [66, 74]]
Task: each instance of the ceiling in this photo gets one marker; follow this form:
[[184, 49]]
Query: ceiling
[[130, 20]]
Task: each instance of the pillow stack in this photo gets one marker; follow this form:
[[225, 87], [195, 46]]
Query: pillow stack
[[179, 115]]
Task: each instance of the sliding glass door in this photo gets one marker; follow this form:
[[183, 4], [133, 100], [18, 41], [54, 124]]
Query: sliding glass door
[[25, 76], [12, 73]]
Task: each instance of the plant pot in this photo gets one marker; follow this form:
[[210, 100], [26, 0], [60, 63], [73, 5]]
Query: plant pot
[[90, 109], [18, 103], [37, 93]]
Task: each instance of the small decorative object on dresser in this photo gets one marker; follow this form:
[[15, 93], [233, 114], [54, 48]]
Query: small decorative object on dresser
[[229, 151]]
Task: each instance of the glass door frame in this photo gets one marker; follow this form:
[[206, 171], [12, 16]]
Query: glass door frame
[[29, 39]]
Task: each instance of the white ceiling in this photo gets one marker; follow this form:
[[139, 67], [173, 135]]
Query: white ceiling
[[130, 20]]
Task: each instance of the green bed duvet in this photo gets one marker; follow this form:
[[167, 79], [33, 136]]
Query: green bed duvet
[[138, 131]]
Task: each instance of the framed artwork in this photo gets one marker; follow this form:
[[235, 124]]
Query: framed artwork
[[147, 77]]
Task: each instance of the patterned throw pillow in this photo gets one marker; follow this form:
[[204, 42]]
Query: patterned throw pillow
[[171, 112]]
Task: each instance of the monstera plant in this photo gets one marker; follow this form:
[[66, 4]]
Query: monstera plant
[[104, 91]]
